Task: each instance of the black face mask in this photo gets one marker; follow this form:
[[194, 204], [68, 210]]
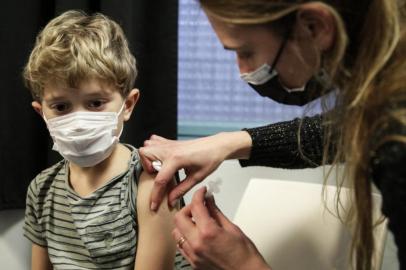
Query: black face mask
[[274, 90]]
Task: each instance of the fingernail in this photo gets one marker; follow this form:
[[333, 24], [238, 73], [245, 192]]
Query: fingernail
[[154, 206]]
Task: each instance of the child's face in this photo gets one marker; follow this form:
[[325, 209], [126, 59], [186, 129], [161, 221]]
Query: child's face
[[91, 96]]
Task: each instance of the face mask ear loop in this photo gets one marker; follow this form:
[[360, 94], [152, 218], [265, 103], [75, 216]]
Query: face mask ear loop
[[121, 131], [118, 114], [44, 117], [121, 109], [279, 53]]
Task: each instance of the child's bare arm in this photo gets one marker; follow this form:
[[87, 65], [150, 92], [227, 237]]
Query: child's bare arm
[[155, 248], [39, 258]]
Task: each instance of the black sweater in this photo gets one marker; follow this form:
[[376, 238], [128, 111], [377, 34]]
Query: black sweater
[[276, 145]]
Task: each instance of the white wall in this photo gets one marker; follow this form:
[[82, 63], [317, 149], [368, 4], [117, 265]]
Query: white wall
[[15, 249]]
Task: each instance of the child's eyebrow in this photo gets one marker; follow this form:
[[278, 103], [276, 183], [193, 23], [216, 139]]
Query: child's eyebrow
[[98, 92], [54, 99]]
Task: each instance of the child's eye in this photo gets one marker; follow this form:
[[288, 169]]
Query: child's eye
[[60, 107], [96, 104]]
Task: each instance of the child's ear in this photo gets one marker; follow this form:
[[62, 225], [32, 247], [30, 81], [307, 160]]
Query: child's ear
[[130, 102], [37, 107]]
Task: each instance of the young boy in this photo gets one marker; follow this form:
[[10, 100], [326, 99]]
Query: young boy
[[91, 210]]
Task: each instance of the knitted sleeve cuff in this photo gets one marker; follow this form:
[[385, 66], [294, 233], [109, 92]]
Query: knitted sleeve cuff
[[277, 145]]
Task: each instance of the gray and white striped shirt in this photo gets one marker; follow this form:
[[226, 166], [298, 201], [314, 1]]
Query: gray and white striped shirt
[[95, 232]]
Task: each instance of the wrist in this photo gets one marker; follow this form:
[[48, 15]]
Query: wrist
[[235, 145]]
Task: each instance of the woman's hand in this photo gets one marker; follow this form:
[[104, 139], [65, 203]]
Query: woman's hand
[[198, 157], [211, 240]]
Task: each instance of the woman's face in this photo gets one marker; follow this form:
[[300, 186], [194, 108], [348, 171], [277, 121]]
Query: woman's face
[[255, 45]]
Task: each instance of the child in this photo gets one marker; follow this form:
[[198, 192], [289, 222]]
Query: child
[[91, 210]]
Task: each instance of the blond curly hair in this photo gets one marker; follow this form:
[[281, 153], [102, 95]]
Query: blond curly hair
[[76, 47]]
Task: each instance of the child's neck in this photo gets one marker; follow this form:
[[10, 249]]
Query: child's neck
[[87, 180]]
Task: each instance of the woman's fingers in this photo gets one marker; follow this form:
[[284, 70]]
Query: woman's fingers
[[146, 160], [165, 175], [198, 157], [155, 148], [182, 188], [183, 246], [184, 223], [199, 211], [159, 138], [216, 213]]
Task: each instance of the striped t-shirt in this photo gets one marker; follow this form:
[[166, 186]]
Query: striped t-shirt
[[95, 232]]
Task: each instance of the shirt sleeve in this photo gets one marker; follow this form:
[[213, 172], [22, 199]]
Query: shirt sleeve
[[34, 230], [281, 145], [132, 183]]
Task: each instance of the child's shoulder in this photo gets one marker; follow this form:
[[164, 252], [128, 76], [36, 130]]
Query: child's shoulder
[[135, 156], [45, 178], [131, 147]]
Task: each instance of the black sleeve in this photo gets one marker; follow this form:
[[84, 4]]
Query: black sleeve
[[389, 174], [277, 145]]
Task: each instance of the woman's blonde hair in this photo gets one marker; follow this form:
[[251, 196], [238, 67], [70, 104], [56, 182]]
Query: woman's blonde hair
[[368, 65], [75, 47]]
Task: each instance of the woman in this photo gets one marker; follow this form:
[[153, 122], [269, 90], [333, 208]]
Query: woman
[[305, 48]]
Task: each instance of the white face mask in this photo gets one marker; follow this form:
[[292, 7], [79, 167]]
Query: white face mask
[[85, 138], [259, 76], [264, 74]]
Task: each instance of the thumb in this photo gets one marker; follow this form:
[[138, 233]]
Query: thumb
[[167, 171], [161, 183]]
